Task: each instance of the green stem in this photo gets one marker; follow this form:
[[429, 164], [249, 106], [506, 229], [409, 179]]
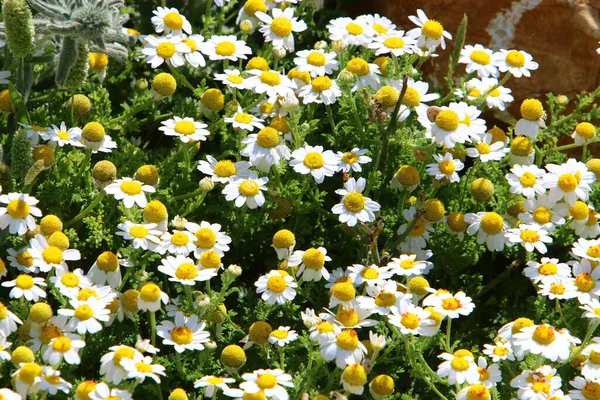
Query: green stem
[[188, 295], [356, 116], [179, 76], [86, 210], [482, 98], [86, 161], [196, 192], [152, 327], [560, 312], [584, 153], [448, 330], [330, 117]]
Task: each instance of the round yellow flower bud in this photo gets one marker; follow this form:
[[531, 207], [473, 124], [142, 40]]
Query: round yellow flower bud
[[97, 61], [164, 84], [93, 132], [498, 135], [283, 239], [259, 332], [280, 124], [594, 166], [60, 240], [50, 224], [516, 208], [147, 174], [233, 356], [532, 109], [40, 313], [456, 222], [521, 146], [213, 99], [418, 285], [482, 189], [257, 63], [6, 104], [355, 375], [22, 354], [81, 105], [433, 210], [178, 394], [382, 385], [387, 96], [408, 176], [104, 172], [84, 389], [155, 212], [45, 153], [382, 62]]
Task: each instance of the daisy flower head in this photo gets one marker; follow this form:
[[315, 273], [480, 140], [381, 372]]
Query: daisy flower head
[[8, 321], [521, 151], [538, 384], [458, 367], [321, 89], [143, 236], [184, 333], [570, 181], [130, 191], [232, 78], [470, 117], [366, 73], [142, 369], [194, 56], [179, 242], [369, 274], [165, 49], [169, 20], [584, 133], [311, 262], [530, 236], [446, 166], [243, 120], [517, 62], [276, 287], [110, 363], [490, 228], [412, 320], [430, 33], [383, 297], [476, 391], [495, 96], [246, 191], [419, 233], [94, 137], [86, 315], [346, 349], [478, 59], [17, 212], [527, 180], [282, 336], [499, 351], [106, 269], [8, 394], [450, 305], [352, 160], [591, 309], [103, 392], [63, 347], [280, 27], [213, 384], [61, 136], [284, 242], [314, 161], [271, 382], [485, 150], [265, 148], [355, 32], [26, 286], [34, 132], [544, 212], [324, 332], [224, 170], [70, 283], [186, 129], [381, 25], [563, 290], [47, 257], [208, 237], [271, 82], [354, 206], [409, 265], [317, 62], [587, 280], [547, 270], [545, 340], [395, 43], [490, 375], [415, 98], [585, 388], [532, 120], [354, 378], [151, 296], [448, 126], [225, 48], [28, 378], [183, 270]]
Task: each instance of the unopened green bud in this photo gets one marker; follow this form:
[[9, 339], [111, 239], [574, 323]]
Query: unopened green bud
[[21, 157], [79, 71], [18, 22], [207, 184], [66, 60]]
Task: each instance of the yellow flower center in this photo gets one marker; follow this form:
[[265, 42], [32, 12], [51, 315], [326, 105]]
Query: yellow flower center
[[542, 215], [25, 259], [49, 332], [18, 209], [347, 340], [138, 232], [348, 317], [215, 380], [387, 96], [475, 93], [173, 20], [483, 148], [595, 357], [190, 43], [185, 128], [447, 120], [206, 238], [354, 29], [210, 259], [166, 50], [317, 59], [354, 202], [557, 288], [252, 6], [447, 167], [107, 262], [164, 84], [70, 280], [325, 327], [579, 211], [515, 58], [521, 146], [484, 375], [544, 334], [29, 372], [532, 109], [225, 169], [243, 118], [432, 29], [276, 284], [450, 304], [358, 66], [548, 269], [314, 160], [355, 375], [259, 333], [393, 43], [131, 188], [478, 391], [266, 381], [249, 188], [344, 291], [350, 158], [268, 138], [492, 223], [528, 179], [270, 78], [321, 83], [24, 282], [385, 299], [280, 334], [419, 229], [143, 367], [369, 273], [235, 79], [591, 390], [585, 130], [281, 26], [180, 239], [593, 251], [313, 259], [62, 135], [584, 282], [84, 312], [186, 271], [410, 320], [530, 236], [521, 323], [182, 335], [412, 98], [124, 352], [267, 107], [150, 292], [62, 344], [459, 364], [382, 30], [225, 49], [501, 351], [52, 255], [480, 57]]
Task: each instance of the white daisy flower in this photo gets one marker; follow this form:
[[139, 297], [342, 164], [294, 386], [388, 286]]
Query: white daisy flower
[[243, 120], [169, 49], [485, 150], [563, 290], [321, 89], [276, 288], [527, 180], [589, 228], [62, 136], [366, 73], [110, 363], [232, 78], [86, 315], [70, 283], [223, 171], [103, 392], [194, 56], [544, 212], [478, 59], [544, 340], [356, 32], [8, 321], [314, 161], [570, 181], [591, 367], [383, 297], [591, 310], [450, 305], [355, 207], [415, 98], [183, 270], [346, 349], [430, 33], [169, 20], [324, 332], [178, 243], [535, 384], [144, 236], [107, 269], [489, 376], [34, 132], [140, 370], [445, 167], [151, 297], [490, 228], [584, 133], [246, 191], [52, 382], [186, 129], [64, 347], [47, 257], [4, 346], [26, 286], [531, 237], [317, 62], [352, 160], [282, 336], [185, 333], [517, 62], [409, 265], [475, 391], [547, 270], [311, 262], [587, 281], [419, 234], [459, 367], [265, 149], [470, 116], [381, 25], [22, 260], [208, 237], [225, 48], [412, 320], [271, 382], [213, 384], [279, 27], [586, 388], [371, 274], [270, 82], [395, 43], [587, 249], [352, 318], [130, 191], [18, 213], [448, 126], [499, 351], [497, 98]]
